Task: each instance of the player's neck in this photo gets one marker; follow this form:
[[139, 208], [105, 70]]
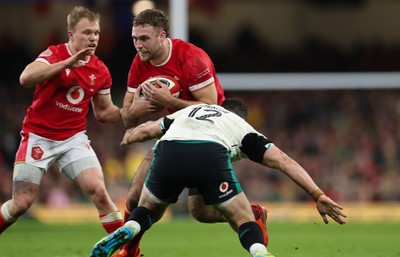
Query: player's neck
[[73, 50], [166, 49]]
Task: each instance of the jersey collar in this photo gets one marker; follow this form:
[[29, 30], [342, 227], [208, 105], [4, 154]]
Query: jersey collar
[[169, 54]]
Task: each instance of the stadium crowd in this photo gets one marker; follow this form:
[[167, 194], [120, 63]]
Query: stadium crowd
[[346, 139]]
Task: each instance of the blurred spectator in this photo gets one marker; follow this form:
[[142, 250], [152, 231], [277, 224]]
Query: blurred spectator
[[346, 139]]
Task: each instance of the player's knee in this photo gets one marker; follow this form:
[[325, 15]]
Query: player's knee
[[24, 195], [98, 194], [202, 215], [197, 215]]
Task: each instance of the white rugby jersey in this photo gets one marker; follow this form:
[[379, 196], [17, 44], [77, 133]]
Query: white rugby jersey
[[214, 123]]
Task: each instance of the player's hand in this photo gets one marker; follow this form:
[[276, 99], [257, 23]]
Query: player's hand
[[126, 140], [157, 94], [145, 131], [143, 106], [78, 59], [326, 206]]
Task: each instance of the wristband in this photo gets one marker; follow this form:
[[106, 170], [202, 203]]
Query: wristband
[[316, 193]]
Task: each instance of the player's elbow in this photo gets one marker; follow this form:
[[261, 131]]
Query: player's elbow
[[101, 116], [25, 80], [101, 119]]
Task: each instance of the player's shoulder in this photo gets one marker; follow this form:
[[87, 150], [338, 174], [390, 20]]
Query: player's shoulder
[[59, 47], [182, 47], [53, 50]]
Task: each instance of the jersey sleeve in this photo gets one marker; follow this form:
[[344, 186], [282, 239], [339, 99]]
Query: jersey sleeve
[[200, 73], [106, 88], [167, 121], [254, 146], [49, 56], [165, 124]]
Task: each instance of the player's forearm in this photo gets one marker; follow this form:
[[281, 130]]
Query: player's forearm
[[297, 173], [37, 72], [128, 118], [149, 130], [277, 159], [145, 131], [110, 115]]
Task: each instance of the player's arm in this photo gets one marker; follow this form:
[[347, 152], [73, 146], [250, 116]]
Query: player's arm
[[135, 107], [104, 109], [143, 132], [127, 118], [162, 96], [207, 95], [37, 72], [277, 159]]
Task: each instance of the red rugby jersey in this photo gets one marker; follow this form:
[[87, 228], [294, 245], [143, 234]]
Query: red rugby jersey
[[187, 63], [60, 105]]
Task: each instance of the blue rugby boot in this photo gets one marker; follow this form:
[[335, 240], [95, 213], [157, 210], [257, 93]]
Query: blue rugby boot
[[110, 244]]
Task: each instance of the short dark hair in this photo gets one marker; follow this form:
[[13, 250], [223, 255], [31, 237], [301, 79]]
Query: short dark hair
[[152, 17], [236, 105], [78, 13]]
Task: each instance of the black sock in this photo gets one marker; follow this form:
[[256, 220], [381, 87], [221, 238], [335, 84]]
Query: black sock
[[249, 234], [143, 216]]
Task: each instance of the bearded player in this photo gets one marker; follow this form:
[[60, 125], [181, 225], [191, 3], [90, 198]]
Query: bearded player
[[157, 54], [67, 78]]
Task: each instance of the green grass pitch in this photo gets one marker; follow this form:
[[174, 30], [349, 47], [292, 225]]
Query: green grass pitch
[[186, 237]]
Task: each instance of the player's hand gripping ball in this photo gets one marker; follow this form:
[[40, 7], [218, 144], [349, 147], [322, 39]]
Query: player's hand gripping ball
[[171, 82]]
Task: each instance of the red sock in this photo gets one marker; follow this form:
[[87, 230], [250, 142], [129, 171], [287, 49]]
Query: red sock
[[111, 221], [126, 214], [5, 219], [3, 224], [132, 248]]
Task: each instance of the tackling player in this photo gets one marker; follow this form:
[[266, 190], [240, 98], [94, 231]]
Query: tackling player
[[67, 78], [222, 136]]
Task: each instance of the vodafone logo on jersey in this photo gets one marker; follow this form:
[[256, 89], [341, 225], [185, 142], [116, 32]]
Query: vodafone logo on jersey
[[75, 94]]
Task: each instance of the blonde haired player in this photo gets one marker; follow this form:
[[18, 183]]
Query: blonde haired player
[[67, 78]]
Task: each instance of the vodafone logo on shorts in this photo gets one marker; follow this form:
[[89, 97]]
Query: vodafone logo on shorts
[[75, 94], [36, 153], [223, 187]]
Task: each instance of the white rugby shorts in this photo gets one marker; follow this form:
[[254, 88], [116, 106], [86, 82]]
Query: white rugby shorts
[[41, 152]]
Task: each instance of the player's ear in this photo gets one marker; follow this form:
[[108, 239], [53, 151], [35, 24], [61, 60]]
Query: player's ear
[[163, 35], [70, 35]]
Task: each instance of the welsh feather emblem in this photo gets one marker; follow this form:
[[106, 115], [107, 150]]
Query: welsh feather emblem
[[92, 77], [36, 153]]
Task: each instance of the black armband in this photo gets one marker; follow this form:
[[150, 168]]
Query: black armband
[[166, 124], [254, 146]]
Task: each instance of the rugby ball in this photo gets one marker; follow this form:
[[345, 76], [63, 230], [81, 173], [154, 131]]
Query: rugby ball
[[171, 82]]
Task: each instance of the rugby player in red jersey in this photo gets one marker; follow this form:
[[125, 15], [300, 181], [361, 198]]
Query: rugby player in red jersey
[[158, 54], [67, 78]]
